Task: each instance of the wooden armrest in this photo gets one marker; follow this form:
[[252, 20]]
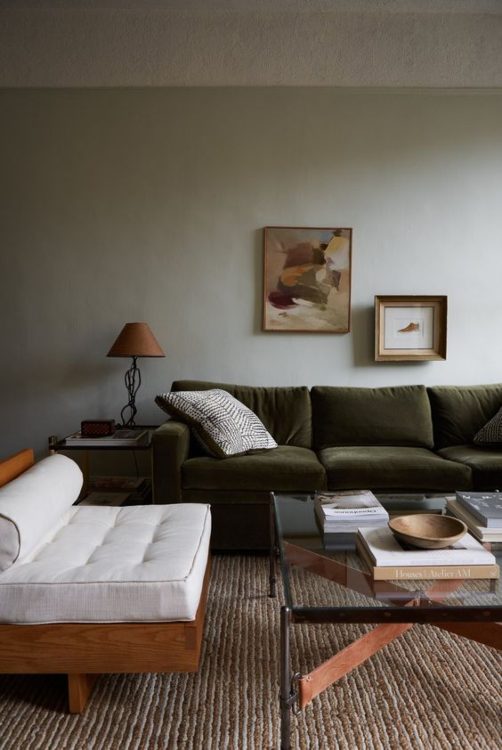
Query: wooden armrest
[[14, 465]]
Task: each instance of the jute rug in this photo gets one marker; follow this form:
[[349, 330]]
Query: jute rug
[[426, 690]]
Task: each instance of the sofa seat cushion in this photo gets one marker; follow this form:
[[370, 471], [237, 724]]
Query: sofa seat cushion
[[106, 564], [284, 468], [485, 464], [392, 468]]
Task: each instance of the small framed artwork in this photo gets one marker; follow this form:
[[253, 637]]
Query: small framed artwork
[[306, 279], [410, 329]]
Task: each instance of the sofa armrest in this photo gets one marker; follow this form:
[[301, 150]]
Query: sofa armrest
[[170, 448]]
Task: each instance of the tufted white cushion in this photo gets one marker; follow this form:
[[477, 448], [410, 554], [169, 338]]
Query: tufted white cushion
[[33, 503], [106, 564]]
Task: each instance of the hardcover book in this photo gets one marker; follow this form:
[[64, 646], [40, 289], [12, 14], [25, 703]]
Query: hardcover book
[[350, 503], [426, 572], [106, 498], [486, 507], [342, 542], [484, 534], [117, 483], [397, 565]]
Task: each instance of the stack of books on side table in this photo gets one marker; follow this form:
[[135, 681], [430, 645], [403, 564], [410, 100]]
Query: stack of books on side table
[[124, 438], [481, 512], [340, 514], [117, 491], [391, 560]]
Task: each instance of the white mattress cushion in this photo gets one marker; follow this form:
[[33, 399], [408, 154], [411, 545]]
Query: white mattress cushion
[[142, 563], [33, 503]]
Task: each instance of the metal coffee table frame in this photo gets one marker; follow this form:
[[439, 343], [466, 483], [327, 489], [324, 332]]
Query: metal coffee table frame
[[425, 607]]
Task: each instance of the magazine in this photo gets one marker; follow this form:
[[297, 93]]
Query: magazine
[[344, 512]]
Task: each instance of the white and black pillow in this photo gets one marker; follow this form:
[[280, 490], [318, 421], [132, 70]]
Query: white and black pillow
[[491, 433], [223, 425]]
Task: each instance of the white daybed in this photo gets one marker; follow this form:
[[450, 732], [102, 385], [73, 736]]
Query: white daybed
[[90, 590]]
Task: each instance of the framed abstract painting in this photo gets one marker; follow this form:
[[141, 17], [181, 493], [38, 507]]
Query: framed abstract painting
[[307, 277], [410, 328]]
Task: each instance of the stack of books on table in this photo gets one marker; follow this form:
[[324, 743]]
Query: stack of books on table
[[340, 514], [115, 499], [391, 560], [117, 491], [481, 512], [120, 439]]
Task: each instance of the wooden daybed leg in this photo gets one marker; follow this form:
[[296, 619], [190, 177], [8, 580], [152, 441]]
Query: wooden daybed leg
[[79, 689]]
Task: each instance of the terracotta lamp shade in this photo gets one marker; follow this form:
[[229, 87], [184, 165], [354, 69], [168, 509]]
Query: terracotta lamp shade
[[135, 340]]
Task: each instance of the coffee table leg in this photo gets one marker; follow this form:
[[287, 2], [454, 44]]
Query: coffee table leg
[[273, 550], [285, 694]]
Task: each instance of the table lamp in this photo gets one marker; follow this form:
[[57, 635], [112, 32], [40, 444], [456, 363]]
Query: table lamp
[[135, 340]]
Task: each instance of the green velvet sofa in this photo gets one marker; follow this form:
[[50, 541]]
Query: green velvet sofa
[[394, 439]]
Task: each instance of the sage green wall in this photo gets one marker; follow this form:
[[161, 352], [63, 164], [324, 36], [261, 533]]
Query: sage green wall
[[148, 204]]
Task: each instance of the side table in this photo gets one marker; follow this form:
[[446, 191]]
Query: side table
[[136, 496]]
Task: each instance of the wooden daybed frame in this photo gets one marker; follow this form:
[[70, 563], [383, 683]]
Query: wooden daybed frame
[[83, 651]]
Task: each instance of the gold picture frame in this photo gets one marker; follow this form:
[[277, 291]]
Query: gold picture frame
[[410, 328]]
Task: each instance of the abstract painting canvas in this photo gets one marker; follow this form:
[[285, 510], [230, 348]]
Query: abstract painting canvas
[[307, 279]]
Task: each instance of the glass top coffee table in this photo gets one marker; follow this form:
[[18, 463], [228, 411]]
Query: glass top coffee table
[[334, 586]]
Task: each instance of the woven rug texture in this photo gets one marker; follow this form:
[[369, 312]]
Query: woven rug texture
[[427, 690]]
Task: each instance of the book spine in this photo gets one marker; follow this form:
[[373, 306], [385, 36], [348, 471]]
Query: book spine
[[436, 572], [353, 512], [349, 528]]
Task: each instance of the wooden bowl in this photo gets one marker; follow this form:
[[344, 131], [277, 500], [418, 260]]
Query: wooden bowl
[[428, 530]]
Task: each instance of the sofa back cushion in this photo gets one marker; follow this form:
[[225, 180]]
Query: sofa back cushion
[[33, 503], [398, 415], [285, 412], [458, 412]]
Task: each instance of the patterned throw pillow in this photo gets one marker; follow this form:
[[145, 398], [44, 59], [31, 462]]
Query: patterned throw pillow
[[491, 433], [223, 425]]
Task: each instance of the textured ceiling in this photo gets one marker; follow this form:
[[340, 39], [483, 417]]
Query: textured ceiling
[[303, 6], [400, 43]]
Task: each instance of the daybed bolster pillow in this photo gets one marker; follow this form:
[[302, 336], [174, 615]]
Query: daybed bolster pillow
[[31, 504]]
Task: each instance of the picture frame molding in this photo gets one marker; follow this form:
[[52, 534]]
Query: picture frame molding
[[437, 352]]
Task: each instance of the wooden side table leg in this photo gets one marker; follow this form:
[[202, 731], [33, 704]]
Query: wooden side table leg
[[86, 471], [152, 499], [52, 442]]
